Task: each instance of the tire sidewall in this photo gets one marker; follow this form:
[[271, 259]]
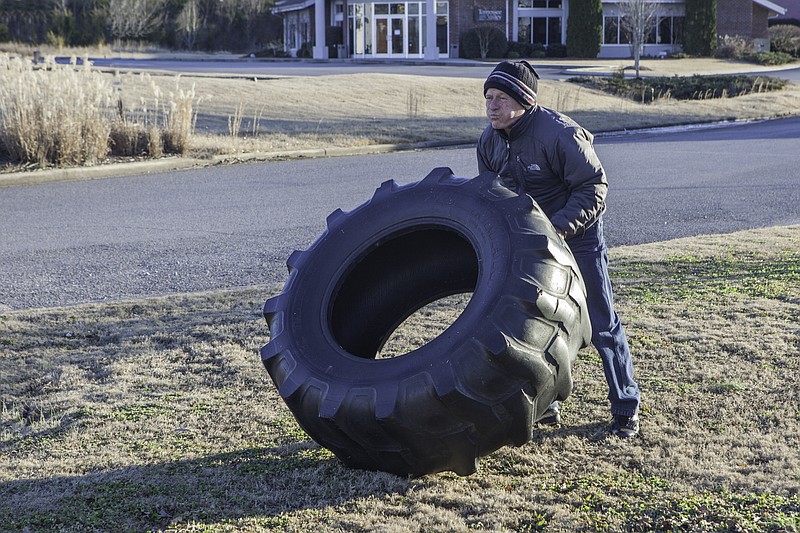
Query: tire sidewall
[[455, 207]]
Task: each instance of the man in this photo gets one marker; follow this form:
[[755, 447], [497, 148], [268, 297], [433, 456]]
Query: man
[[540, 152]]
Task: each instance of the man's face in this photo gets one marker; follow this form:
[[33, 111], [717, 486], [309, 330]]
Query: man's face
[[502, 110]]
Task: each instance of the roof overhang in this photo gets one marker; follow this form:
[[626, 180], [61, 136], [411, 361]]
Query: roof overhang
[[774, 9], [292, 5]]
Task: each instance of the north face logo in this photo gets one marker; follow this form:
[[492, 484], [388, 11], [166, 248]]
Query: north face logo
[[533, 167]]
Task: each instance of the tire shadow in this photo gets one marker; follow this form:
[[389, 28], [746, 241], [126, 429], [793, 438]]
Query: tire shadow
[[261, 483]]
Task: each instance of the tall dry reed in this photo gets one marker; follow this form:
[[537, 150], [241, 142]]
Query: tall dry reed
[[153, 124], [66, 115], [53, 114]]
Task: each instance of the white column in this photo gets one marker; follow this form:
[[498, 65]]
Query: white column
[[431, 50], [320, 50]]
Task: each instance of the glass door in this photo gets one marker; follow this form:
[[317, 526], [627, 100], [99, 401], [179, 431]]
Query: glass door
[[398, 36], [382, 36], [390, 35]]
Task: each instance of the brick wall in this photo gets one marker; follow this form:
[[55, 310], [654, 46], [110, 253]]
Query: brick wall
[[760, 25], [734, 17], [463, 17]]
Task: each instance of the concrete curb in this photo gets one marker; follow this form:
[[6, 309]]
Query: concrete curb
[[116, 170]]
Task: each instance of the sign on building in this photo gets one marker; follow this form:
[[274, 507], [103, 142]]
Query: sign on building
[[488, 15]]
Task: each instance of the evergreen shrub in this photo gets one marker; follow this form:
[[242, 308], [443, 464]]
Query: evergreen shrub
[[584, 28]]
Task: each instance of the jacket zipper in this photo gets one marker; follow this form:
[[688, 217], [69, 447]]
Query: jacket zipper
[[513, 168]]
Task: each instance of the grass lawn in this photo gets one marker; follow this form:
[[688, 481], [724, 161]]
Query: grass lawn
[[231, 116], [366, 109], [158, 415]]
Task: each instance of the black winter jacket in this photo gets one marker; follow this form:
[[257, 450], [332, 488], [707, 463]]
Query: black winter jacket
[[551, 158]]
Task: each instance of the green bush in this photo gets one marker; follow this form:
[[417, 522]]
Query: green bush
[[700, 30], [520, 48], [272, 49], [556, 50], [305, 50], [523, 49], [484, 41], [785, 38], [585, 28], [647, 90], [770, 58]]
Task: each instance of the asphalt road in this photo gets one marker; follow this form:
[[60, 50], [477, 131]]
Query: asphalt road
[[71, 242]]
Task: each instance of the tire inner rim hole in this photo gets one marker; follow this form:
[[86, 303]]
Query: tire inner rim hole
[[393, 280]]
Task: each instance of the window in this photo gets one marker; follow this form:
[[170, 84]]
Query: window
[[667, 30], [651, 36], [614, 32], [540, 4], [554, 30], [542, 30], [539, 33], [610, 30], [677, 30], [524, 30], [670, 30]]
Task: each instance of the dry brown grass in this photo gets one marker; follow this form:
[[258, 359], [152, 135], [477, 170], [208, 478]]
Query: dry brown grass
[[71, 115], [43, 122], [158, 415], [364, 109], [235, 115]]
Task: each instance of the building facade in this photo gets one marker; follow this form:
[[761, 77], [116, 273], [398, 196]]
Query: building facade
[[747, 18], [403, 29]]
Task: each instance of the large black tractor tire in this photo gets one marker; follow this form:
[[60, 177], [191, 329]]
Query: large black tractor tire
[[483, 382]]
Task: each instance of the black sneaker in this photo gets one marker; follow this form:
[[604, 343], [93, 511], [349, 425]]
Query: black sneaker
[[552, 416], [624, 427]]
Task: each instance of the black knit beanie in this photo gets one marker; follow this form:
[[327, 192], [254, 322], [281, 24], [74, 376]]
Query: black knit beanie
[[518, 79]]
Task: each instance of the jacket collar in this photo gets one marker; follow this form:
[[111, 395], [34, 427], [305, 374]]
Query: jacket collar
[[520, 126]]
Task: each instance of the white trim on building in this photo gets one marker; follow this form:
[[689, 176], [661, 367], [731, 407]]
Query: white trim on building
[[775, 9], [397, 29], [402, 29]]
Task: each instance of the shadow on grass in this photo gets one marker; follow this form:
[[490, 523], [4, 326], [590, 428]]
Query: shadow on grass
[[256, 483]]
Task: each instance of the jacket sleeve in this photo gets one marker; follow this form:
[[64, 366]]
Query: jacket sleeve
[[483, 151], [584, 178]]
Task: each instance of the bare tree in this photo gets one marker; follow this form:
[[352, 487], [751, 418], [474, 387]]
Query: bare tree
[[638, 18], [251, 9], [134, 19], [486, 36], [188, 23]]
